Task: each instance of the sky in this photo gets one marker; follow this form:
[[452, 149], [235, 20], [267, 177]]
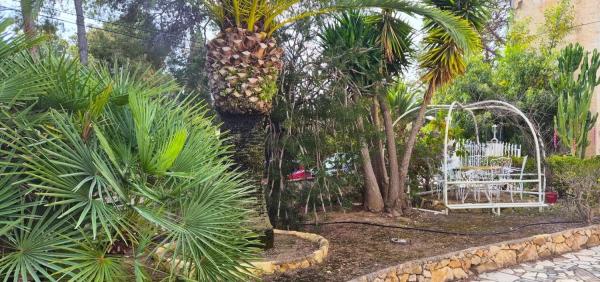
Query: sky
[[63, 13]]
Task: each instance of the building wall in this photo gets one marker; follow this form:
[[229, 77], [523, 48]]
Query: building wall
[[587, 33]]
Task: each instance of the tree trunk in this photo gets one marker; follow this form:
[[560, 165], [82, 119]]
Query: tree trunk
[[246, 135], [394, 195], [372, 196], [379, 157], [82, 43], [29, 18], [410, 144]]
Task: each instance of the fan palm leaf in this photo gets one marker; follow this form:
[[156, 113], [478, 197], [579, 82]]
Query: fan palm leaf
[[36, 250]]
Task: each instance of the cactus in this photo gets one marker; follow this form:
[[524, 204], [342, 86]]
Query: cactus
[[573, 119]]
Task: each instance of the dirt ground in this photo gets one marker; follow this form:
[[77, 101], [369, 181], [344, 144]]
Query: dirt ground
[[357, 249], [287, 247]]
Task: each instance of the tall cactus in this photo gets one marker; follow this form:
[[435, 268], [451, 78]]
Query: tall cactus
[[573, 118]]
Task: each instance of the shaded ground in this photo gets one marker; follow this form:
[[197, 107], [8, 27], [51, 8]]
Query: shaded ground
[[287, 247], [360, 249]]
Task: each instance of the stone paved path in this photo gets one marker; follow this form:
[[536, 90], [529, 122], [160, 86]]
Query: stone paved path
[[583, 265]]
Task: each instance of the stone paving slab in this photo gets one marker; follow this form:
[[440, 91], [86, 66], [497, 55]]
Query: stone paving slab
[[583, 265]]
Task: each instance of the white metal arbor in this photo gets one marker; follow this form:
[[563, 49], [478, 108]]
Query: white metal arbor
[[535, 196]]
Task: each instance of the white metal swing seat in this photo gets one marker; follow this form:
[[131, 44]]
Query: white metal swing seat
[[494, 178]]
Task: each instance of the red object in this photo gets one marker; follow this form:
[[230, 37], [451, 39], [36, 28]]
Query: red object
[[300, 174], [551, 197]]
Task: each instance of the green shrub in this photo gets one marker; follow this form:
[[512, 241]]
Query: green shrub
[[530, 166], [559, 164], [578, 180], [100, 168]]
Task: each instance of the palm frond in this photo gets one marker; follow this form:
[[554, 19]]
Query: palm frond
[[16, 64], [74, 175], [459, 30], [402, 99], [90, 261], [37, 249], [11, 198]]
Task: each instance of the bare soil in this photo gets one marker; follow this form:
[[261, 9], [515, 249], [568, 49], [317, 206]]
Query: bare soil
[[357, 249], [287, 247]]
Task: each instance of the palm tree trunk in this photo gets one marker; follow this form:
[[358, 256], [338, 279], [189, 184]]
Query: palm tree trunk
[[372, 196], [402, 204], [29, 18], [390, 137], [82, 43], [247, 138], [379, 156]]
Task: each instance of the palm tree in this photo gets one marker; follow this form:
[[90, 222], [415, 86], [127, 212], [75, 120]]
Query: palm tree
[[442, 60], [370, 48], [244, 61], [101, 168], [351, 43]]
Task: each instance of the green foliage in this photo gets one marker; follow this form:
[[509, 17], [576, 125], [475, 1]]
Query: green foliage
[[520, 75], [530, 166], [402, 99], [137, 44], [262, 16], [101, 167], [38, 247], [429, 152], [573, 119], [558, 23], [443, 57], [579, 180], [351, 43]]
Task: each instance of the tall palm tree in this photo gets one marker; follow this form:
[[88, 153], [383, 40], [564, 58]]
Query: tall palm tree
[[442, 60], [370, 48], [351, 43], [244, 61]]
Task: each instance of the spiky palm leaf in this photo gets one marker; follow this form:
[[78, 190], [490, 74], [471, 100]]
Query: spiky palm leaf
[[402, 100], [443, 58], [99, 184], [91, 261], [16, 83], [351, 42], [37, 249], [11, 199]]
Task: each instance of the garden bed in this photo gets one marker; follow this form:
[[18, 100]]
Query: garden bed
[[357, 249], [288, 247]]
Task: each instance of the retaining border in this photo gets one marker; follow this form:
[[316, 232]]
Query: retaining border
[[314, 258], [462, 264]]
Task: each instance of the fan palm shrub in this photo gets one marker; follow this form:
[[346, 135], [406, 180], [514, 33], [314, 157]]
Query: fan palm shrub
[[102, 168]]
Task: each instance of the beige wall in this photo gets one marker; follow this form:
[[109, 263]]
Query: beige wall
[[587, 33]]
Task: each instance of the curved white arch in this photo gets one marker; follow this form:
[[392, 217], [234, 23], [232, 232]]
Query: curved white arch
[[487, 105], [505, 106]]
